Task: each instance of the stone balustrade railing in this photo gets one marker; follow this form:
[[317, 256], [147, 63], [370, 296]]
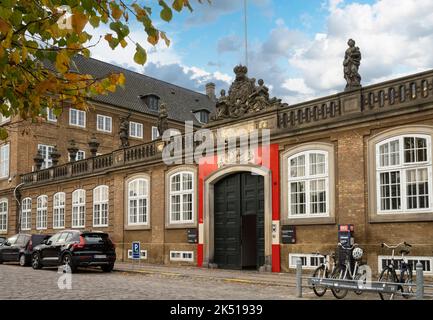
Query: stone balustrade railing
[[142, 152]]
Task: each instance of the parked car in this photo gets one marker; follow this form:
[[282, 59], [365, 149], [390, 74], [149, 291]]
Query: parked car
[[19, 248], [2, 240], [76, 249]]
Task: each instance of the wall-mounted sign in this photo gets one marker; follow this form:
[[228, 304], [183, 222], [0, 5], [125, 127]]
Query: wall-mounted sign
[[192, 235], [136, 252], [288, 234]]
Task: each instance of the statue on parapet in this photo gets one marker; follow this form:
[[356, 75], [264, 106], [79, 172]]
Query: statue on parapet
[[162, 119], [352, 61]]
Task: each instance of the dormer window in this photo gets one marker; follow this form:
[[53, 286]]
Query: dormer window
[[202, 116], [152, 101]]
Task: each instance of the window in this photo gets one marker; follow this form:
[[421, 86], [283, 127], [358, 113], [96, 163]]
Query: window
[[138, 201], [427, 263], [155, 133], [4, 119], [136, 130], [3, 215], [181, 197], [46, 154], [152, 101], [77, 118], [50, 115], [309, 261], [100, 206], [26, 214], [202, 116], [41, 212], [78, 208], [143, 255], [4, 161], [182, 256], [403, 174], [308, 184], [59, 211], [103, 123], [81, 155]]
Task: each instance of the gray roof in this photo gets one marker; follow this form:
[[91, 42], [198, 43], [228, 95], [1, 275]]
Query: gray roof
[[180, 101]]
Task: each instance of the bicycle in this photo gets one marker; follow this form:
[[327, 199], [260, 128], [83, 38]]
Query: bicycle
[[323, 271], [345, 272], [389, 273]]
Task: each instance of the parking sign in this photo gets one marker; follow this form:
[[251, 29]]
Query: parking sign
[[136, 250]]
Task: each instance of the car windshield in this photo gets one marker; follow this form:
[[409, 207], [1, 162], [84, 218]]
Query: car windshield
[[12, 239], [95, 238]]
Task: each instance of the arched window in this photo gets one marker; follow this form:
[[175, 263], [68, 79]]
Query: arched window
[[100, 206], [78, 208], [26, 214], [138, 202], [413, 90], [403, 174], [381, 98], [308, 184], [391, 96], [59, 210], [181, 197], [3, 215], [41, 212]]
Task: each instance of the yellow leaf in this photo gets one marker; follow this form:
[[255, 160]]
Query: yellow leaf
[[4, 26], [62, 62], [121, 79], [15, 57], [123, 43], [79, 21]]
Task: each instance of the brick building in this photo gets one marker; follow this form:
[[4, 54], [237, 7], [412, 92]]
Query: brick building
[[360, 157]]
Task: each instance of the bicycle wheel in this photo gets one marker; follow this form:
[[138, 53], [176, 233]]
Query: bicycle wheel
[[387, 275], [339, 273], [320, 273], [406, 278], [357, 278]]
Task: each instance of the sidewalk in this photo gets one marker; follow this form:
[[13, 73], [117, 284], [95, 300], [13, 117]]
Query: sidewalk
[[244, 276]]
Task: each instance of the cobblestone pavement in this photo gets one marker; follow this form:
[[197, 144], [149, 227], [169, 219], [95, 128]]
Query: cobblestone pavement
[[25, 283]]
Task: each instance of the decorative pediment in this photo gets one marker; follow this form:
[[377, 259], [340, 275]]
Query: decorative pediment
[[244, 97]]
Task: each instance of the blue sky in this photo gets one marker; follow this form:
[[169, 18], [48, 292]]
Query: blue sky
[[296, 46]]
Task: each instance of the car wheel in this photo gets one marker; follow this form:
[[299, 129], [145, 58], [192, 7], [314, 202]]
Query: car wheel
[[36, 261], [23, 260], [67, 263], [108, 267]]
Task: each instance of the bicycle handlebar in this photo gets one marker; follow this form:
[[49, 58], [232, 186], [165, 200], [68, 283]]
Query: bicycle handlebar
[[348, 248], [396, 246]]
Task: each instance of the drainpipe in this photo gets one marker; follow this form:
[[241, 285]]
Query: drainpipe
[[18, 200]]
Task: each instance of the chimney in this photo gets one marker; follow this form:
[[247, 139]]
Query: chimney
[[210, 91]]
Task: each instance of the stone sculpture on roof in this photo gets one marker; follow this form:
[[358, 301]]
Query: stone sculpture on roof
[[352, 61], [244, 97]]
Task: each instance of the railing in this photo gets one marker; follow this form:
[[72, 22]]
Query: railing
[[317, 110], [411, 90], [142, 152]]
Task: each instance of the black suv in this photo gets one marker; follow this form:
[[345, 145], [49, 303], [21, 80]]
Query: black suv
[[19, 248], [76, 249]]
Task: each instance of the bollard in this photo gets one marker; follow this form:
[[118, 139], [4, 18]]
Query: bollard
[[419, 281], [299, 278]]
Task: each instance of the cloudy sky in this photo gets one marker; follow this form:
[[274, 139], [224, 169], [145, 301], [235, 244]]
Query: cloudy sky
[[296, 46]]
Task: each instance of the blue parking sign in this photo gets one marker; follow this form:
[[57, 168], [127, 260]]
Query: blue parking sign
[[136, 250]]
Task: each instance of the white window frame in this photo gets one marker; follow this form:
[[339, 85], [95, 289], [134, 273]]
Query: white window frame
[[79, 208], [51, 117], [77, 117], [402, 168], [48, 162], [76, 156], [307, 257], [59, 210], [380, 258], [155, 133], [98, 205], [306, 179], [137, 198], [182, 255], [26, 214], [4, 160], [134, 133], [143, 254], [42, 212], [182, 192], [4, 215], [105, 125]]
